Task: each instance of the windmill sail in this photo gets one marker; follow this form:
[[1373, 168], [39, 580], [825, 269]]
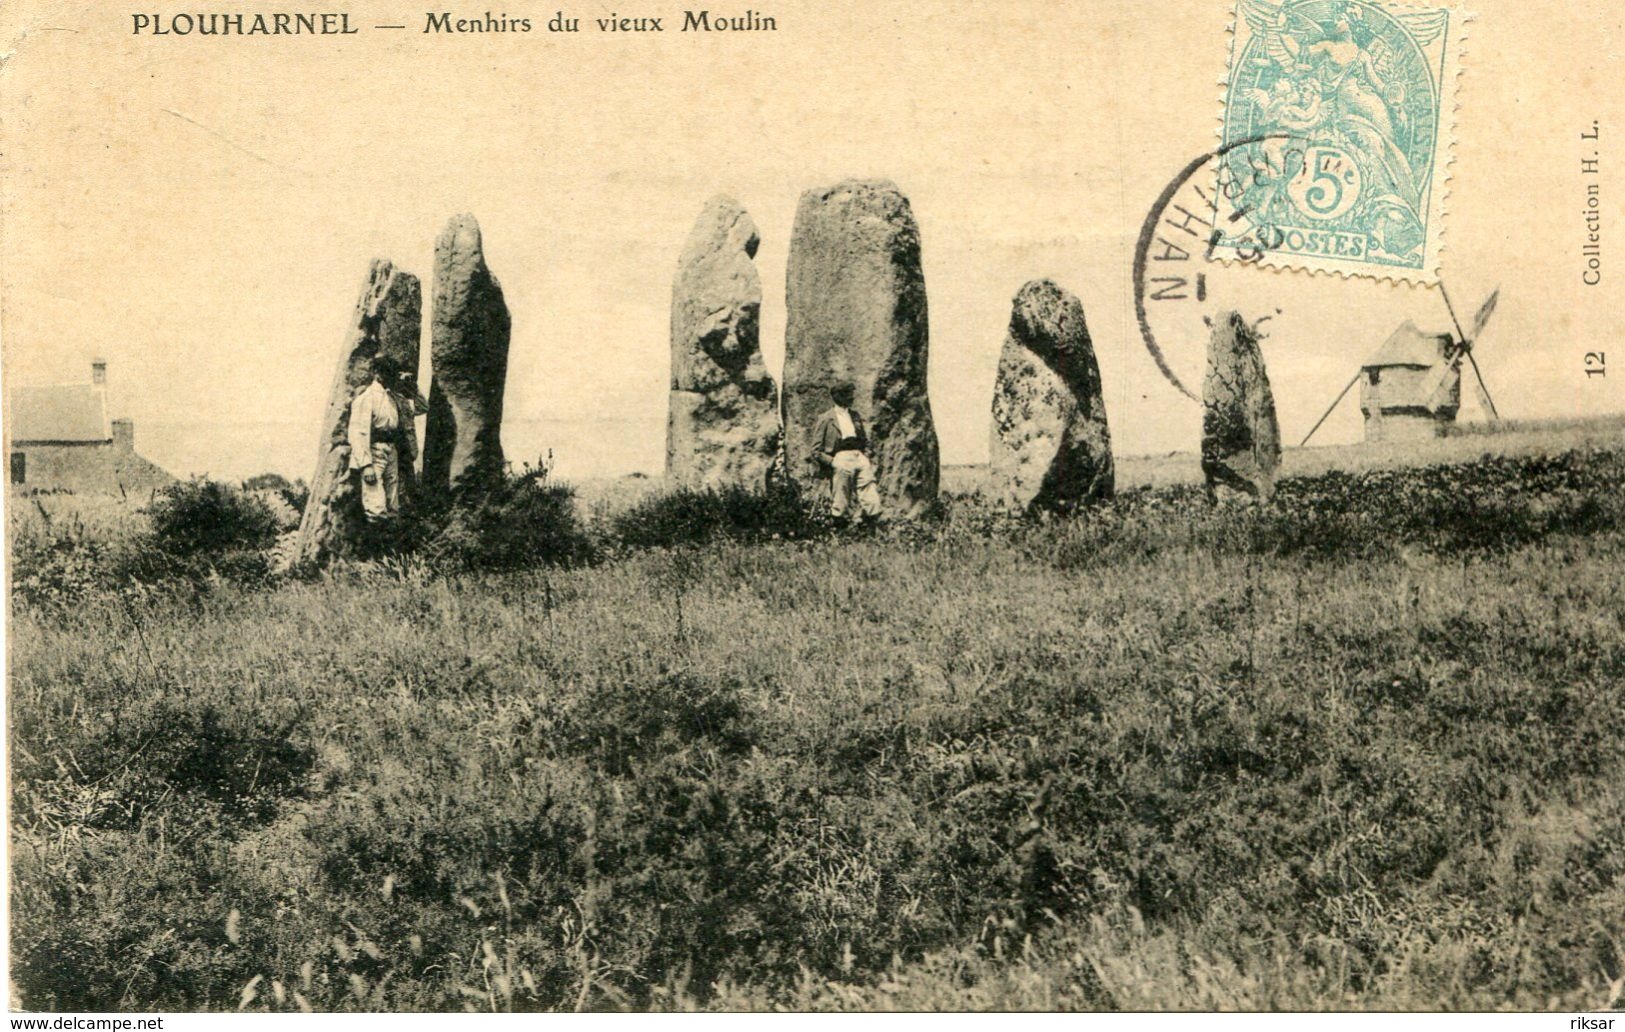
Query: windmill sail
[[1479, 387], [1464, 349], [1483, 391], [1442, 385], [1484, 312]]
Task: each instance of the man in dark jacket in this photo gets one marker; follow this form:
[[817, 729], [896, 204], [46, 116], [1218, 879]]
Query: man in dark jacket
[[411, 403], [841, 446]]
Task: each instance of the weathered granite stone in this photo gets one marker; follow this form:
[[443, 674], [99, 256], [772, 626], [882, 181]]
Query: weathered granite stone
[[857, 314], [388, 321], [722, 425], [462, 450], [1241, 440], [1050, 447]]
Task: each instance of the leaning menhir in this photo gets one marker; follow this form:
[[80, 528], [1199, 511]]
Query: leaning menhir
[[462, 450], [722, 426], [1241, 441], [857, 313], [1050, 447], [387, 321]]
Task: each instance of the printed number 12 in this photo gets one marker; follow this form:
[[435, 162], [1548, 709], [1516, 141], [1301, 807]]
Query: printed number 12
[[1596, 363]]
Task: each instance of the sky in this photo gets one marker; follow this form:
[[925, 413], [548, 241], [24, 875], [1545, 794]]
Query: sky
[[201, 212]]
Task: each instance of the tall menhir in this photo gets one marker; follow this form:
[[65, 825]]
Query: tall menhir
[[462, 450], [386, 321], [856, 303], [1241, 438], [722, 426]]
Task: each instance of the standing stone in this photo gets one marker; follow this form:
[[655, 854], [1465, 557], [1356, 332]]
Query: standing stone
[[1241, 441], [388, 320], [462, 450], [857, 313], [722, 427], [1050, 447]]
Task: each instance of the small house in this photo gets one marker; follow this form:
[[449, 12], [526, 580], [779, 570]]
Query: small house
[[60, 438]]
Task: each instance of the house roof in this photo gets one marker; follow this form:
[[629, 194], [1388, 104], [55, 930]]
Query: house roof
[[70, 412], [1409, 346]]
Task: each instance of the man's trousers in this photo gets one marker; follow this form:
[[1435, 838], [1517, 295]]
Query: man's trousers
[[854, 474], [381, 498]]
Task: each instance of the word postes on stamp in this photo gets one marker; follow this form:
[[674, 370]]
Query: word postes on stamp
[[1350, 102]]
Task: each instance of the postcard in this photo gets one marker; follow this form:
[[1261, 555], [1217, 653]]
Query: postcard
[[814, 505]]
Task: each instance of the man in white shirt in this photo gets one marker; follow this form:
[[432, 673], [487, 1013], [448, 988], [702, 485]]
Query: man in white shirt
[[375, 441], [842, 445]]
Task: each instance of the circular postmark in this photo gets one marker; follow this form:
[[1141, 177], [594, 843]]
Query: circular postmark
[[1178, 283]]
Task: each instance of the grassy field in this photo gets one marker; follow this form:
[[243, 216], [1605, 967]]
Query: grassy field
[[1361, 750]]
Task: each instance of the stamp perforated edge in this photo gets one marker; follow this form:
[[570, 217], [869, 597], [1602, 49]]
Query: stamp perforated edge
[[1445, 144]]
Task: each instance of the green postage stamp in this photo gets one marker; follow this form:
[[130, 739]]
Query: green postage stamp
[[1336, 135]]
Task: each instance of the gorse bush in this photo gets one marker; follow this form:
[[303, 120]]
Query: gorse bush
[[692, 516], [1492, 503], [527, 521], [55, 571], [267, 482], [201, 531], [203, 517]]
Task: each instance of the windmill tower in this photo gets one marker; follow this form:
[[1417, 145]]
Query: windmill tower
[[1411, 388]]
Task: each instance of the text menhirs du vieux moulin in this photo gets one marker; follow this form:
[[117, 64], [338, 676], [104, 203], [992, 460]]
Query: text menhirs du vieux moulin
[[290, 23]]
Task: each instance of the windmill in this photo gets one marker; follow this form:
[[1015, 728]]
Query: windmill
[[1412, 385]]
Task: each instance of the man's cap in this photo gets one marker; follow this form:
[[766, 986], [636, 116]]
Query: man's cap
[[386, 366]]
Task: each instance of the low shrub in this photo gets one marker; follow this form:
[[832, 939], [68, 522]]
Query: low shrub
[[295, 492], [525, 522], [55, 572], [691, 516], [207, 517], [267, 482]]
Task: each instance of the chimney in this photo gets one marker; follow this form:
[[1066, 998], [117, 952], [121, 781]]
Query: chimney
[[124, 435], [98, 372]]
